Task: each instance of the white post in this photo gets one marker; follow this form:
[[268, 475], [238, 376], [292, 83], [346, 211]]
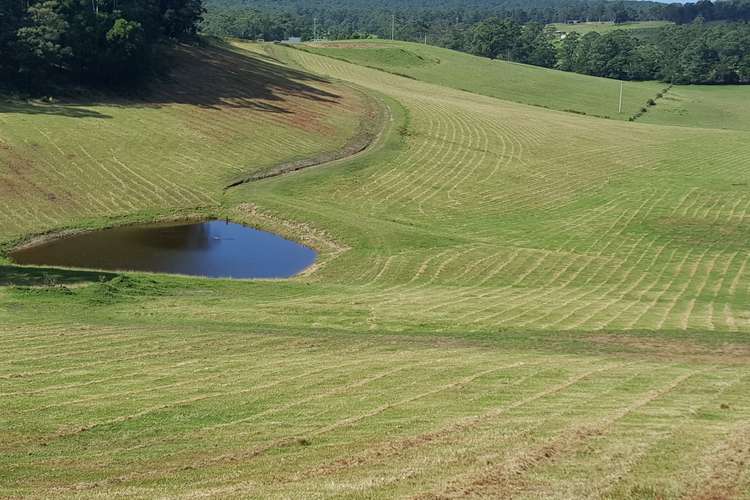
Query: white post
[[315, 28], [620, 108], [393, 26]]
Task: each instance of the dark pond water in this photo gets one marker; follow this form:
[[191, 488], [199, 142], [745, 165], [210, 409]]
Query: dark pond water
[[215, 249]]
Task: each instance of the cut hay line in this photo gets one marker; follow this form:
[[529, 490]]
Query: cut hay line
[[335, 391], [665, 436], [143, 355], [507, 478], [727, 466], [158, 375], [66, 433], [251, 454], [456, 429]]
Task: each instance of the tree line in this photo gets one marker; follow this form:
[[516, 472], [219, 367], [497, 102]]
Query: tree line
[[698, 53], [345, 19], [103, 41], [437, 19], [733, 10], [110, 41]]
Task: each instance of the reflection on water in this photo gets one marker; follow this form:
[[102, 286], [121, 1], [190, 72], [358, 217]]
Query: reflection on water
[[213, 249], [182, 237]]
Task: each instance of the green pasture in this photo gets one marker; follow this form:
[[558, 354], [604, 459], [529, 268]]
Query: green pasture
[[522, 83], [509, 301]]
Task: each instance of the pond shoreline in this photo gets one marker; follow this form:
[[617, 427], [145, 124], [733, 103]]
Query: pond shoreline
[[207, 247]]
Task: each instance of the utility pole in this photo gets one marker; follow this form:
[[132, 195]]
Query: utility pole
[[315, 28], [425, 39], [620, 108], [393, 26]]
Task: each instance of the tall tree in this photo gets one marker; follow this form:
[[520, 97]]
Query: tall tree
[[102, 40], [40, 44]]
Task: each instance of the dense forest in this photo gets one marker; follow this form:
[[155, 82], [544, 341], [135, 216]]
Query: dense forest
[[104, 41], [691, 53], [407, 20], [438, 19]]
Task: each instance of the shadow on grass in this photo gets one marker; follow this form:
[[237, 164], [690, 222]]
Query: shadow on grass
[[43, 276], [209, 77], [33, 108]]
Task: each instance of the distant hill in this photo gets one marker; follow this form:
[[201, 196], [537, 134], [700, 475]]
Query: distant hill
[[522, 83], [398, 5]]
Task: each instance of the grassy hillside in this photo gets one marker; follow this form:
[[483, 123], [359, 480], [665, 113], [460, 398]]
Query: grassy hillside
[[510, 301], [542, 220], [515, 82], [175, 146], [711, 106]]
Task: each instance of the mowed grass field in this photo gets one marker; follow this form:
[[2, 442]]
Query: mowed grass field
[[219, 117], [101, 408], [521, 83], [509, 302], [709, 106]]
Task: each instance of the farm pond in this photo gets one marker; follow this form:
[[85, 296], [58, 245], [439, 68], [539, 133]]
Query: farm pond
[[214, 248]]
